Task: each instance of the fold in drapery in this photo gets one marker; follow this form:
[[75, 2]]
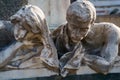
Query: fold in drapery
[[70, 56]]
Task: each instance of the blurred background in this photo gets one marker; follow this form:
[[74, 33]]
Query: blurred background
[[55, 10]]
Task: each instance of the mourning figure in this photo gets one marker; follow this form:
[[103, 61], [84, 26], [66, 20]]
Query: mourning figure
[[32, 46]]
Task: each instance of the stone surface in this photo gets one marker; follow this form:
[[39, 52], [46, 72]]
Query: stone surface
[[84, 73], [30, 73]]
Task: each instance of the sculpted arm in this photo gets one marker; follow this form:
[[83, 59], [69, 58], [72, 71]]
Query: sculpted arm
[[108, 53], [110, 49], [7, 54]]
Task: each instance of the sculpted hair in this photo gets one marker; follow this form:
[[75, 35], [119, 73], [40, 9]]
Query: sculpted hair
[[32, 19], [83, 9], [33, 16]]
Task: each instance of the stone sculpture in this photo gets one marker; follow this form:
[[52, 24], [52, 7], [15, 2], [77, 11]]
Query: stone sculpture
[[79, 41], [80, 16], [33, 43]]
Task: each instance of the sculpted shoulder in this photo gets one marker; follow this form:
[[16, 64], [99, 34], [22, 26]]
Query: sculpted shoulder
[[102, 33], [105, 28]]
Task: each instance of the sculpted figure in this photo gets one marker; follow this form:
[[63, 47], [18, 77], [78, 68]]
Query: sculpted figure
[[81, 40], [33, 43], [78, 41], [80, 16]]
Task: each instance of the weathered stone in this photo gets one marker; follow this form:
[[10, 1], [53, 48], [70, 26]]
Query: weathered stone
[[33, 48]]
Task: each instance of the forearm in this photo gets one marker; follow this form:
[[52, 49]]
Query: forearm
[[97, 63], [7, 54]]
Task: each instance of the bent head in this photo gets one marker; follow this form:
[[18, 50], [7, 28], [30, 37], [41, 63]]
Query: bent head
[[28, 19], [80, 16]]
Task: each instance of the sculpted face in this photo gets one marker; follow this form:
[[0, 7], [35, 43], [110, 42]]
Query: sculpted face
[[80, 16], [29, 20], [77, 30], [19, 32], [21, 29]]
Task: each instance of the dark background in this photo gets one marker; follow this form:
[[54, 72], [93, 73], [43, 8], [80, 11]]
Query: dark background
[[10, 7]]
